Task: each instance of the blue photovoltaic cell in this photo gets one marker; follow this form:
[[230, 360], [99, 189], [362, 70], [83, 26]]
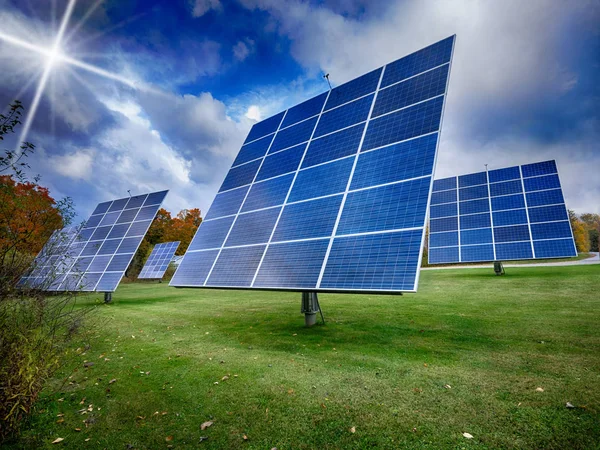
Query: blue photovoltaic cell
[[513, 217], [263, 128], [428, 85], [334, 146], [474, 206], [506, 188], [473, 179], [541, 183], [305, 220], [548, 214], [281, 162], [344, 116], [541, 168], [443, 239], [551, 230], [438, 198], [410, 159], [325, 179], [516, 250], [518, 221], [138, 228], [443, 255], [554, 249], [253, 228], [474, 221], [296, 134], [446, 224], [227, 203], [268, 193], [236, 266], [81, 259], [472, 193], [413, 121], [371, 262], [512, 234], [253, 150], [304, 110], [391, 207], [509, 173], [196, 269], [508, 202], [357, 191], [292, 264], [444, 184], [353, 89], [447, 210], [541, 198], [472, 253], [425, 59], [473, 237], [240, 175], [158, 261], [211, 234]]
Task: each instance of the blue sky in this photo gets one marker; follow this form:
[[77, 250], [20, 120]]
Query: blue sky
[[524, 85]]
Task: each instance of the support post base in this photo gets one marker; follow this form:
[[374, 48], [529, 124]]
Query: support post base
[[498, 268], [107, 297], [310, 308]]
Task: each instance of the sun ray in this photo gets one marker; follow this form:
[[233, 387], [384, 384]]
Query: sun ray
[[83, 19], [110, 29]]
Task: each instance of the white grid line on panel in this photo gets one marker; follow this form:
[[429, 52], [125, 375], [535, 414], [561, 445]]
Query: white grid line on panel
[[567, 211], [243, 201], [527, 212], [338, 130], [257, 139], [458, 218], [262, 258], [406, 107], [419, 74], [343, 202]]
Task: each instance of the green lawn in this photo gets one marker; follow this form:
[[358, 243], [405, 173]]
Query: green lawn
[[464, 354]]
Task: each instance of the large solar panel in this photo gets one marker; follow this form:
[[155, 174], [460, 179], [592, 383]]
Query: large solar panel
[[159, 260], [332, 194], [505, 214], [96, 256]]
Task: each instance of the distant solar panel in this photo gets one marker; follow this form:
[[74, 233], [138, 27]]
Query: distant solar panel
[[332, 194], [505, 214], [159, 260], [95, 257]]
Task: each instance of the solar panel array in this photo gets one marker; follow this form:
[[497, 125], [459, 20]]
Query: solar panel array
[[159, 260], [97, 256], [505, 214], [332, 194]]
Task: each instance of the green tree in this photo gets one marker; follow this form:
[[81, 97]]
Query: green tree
[[580, 232]]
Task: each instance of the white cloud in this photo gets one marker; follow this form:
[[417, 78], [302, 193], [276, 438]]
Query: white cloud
[[243, 49], [77, 165], [253, 113], [201, 7]]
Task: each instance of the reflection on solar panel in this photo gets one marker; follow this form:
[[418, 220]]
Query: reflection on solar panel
[[95, 257], [513, 213], [332, 194], [159, 260]]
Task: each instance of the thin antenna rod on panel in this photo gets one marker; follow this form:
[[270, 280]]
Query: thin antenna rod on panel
[[326, 76], [486, 167], [129, 192]]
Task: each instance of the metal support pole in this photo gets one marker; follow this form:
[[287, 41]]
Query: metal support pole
[[310, 308], [107, 297], [498, 268]]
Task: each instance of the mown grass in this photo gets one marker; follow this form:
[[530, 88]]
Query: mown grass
[[380, 365]]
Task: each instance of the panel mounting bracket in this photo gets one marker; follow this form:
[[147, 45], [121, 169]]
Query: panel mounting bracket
[[498, 268], [108, 297], [310, 307]]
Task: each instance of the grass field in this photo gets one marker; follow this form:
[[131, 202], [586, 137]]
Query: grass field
[[465, 354]]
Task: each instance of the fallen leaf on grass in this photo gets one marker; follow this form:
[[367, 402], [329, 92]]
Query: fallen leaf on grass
[[570, 405], [539, 389], [202, 438], [205, 425], [353, 430], [57, 440], [77, 429], [169, 438], [140, 417], [59, 415], [225, 378], [61, 420], [61, 400], [87, 439], [468, 435], [112, 381], [244, 437], [447, 386]]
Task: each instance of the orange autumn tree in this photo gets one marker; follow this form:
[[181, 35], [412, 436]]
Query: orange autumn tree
[[182, 228]]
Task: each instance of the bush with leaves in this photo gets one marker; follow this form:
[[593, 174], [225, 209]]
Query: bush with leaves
[[35, 326]]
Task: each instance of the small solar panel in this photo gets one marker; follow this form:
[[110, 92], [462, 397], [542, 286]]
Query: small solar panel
[[159, 260], [331, 194], [512, 213], [95, 256]]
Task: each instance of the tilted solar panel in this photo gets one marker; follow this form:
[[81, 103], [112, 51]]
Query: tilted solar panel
[[159, 260], [332, 194], [95, 256], [505, 214]]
